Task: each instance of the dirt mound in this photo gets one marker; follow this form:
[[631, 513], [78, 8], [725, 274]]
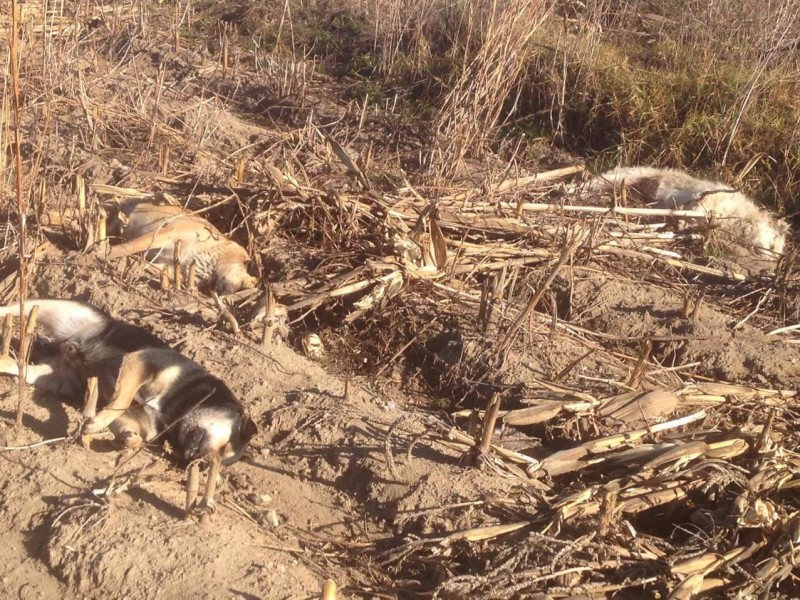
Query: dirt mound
[[718, 344], [133, 538]]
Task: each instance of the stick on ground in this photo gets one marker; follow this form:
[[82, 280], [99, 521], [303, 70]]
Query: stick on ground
[[328, 590], [89, 408], [566, 254], [489, 421], [8, 323], [177, 275], [269, 319]]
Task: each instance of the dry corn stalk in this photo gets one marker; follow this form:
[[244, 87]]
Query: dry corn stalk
[[633, 408], [191, 283], [487, 430], [8, 324], [480, 534], [511, 185], [637, 500], [177, 276], [587, 454], [466, 440], [269, 319], [101, 227], [165, 282]]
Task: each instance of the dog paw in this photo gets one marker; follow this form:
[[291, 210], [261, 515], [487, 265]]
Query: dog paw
[[130, 440], [202, 510], [208, 506], [8, 365]]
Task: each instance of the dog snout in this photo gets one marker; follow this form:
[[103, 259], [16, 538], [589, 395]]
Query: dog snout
[[195, 444], [232, 282]]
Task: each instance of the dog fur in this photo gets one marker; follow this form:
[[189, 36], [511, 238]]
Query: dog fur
[[145, 389], [221, 264], [670, 188]]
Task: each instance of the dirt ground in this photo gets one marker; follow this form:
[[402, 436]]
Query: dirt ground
[[328, 477], [318, 475], [136, 542]]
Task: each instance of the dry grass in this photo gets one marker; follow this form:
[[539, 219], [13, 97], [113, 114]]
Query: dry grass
[[21, 203], [602, 533], [705, 86], [472, 110], [710, 87]]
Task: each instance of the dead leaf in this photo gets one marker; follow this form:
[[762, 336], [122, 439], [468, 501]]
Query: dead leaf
[[342, 155], [438, 245]]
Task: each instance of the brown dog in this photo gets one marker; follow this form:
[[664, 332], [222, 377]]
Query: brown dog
[[221, 264]]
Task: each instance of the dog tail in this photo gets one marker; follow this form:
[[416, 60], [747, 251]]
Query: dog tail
[[63, 319], [615, 177]]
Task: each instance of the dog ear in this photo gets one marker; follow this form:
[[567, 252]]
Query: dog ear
[[249, 428]]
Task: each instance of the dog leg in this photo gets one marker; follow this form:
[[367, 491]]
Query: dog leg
[[192, 486], [136, 426], [207, 502], [8, 366], [158, 369], [133, 374], [127, 431], [148, 241], [45, 377]]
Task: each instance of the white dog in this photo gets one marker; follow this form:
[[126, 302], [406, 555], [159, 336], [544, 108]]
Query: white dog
[[669, 188]]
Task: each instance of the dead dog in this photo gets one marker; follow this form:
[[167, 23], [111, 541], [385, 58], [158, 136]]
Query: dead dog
[[221, 264], [146, 390], [669, 188]]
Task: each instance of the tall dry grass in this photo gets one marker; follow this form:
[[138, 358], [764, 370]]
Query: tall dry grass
[[709, 86], [13, 129], [414, 38], [705, 86], [478, 101]]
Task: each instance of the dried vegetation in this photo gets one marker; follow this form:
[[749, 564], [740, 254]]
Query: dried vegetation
[[430, 255]]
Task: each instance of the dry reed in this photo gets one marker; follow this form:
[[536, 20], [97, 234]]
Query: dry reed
[[473, 109]]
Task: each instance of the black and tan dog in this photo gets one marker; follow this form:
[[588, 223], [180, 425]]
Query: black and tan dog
[[146, 391]]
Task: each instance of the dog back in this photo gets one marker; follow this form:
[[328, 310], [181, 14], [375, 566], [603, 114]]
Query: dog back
[[84, 341]]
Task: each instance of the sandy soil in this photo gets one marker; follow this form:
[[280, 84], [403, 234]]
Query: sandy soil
[[327, 478], [316, 482]]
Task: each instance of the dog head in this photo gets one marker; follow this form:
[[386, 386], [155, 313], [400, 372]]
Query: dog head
[[233, 450], [746, 221], [231, 278], [224, 430], [781, 229], [768, 235], [231, 273]]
